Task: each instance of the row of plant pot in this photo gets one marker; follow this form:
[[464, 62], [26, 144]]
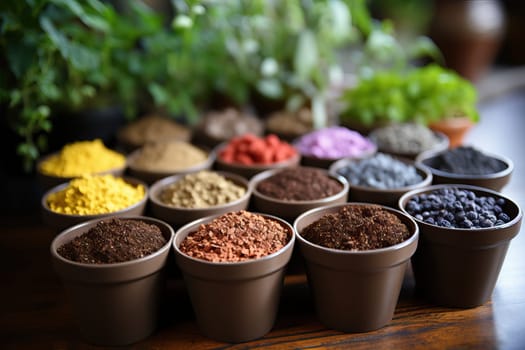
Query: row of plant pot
[[355, 290], [401, 175]]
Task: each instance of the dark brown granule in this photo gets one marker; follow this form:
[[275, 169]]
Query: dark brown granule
[[236, 236], [299, 184], [113, 241], [361, 227]]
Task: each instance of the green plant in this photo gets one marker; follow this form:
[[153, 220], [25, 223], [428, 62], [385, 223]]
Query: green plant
[[287, 50], [281, 50], [437, 93], [68, 54], [423, 94]]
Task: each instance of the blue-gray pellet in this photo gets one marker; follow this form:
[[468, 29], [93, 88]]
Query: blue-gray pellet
[[380, 171]]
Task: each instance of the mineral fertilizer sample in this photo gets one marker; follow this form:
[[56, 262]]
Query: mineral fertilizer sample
[[153, 128], [458, 208], [169, 156], [250, 149], [236, 236], [201, 190], [91, 195], [466, 160], [333, 143], [380, 171], [406, 138], [81, 158]]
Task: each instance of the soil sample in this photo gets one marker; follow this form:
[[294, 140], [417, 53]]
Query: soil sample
[[299, 184], [114, 241], [362, 227]]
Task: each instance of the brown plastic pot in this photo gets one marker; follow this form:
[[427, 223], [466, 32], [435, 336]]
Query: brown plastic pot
[[355, 291], [114, 304], [234, 301], [459, 267]]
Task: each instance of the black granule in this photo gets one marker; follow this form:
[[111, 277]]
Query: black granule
[[361, 227], [299, 184], [113, 241], [466, 160]]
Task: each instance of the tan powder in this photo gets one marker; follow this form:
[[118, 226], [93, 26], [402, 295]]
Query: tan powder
[[169, 156]]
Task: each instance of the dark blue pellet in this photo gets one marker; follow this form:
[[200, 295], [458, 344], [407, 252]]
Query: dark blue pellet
[[452, 207], [503, 217]]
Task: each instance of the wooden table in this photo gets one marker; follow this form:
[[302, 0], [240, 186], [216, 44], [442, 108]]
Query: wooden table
[[35, 312]]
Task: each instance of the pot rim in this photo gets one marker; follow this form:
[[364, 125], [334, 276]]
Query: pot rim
[[406, 197], [198, 222], [54, 244], [422, 169], [158, 186], [254, 182], [395, 247], [430, 154], [128, 179]]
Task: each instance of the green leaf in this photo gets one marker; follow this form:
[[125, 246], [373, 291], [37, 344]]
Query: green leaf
[[159, 94], [81, 57], [425, 47], [306, 55], [94, 20], [20, 56], [270, 87]]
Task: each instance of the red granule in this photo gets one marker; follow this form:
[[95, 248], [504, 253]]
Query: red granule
[[250, 149], [236, 236]]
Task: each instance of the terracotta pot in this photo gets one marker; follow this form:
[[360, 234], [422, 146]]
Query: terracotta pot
[[469, 34], [454, 128]]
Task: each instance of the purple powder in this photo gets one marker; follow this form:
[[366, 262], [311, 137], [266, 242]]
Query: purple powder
[[334, 142]]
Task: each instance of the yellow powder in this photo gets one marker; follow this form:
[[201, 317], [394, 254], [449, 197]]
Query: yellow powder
[[80, 158], [169, 156], [89, 195]]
